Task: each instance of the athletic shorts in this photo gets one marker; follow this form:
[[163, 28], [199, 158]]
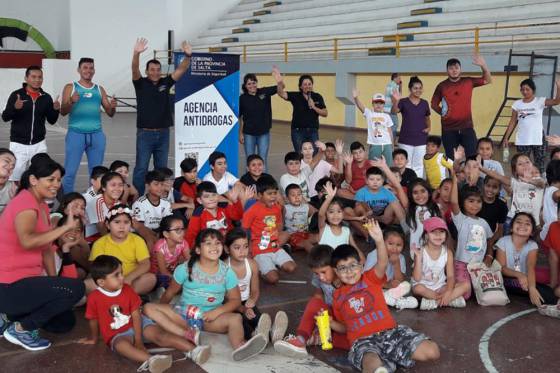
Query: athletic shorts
[[269, 261], [394, 347]]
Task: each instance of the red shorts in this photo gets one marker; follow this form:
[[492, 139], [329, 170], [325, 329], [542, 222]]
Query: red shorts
[[296, 239]]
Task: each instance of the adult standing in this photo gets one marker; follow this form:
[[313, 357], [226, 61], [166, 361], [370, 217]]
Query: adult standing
[[83, 100], [452, 100], [153, 110], [28, 108], [416, 124], [28, 299], [255, 114], [307, 106], [395, 85], [527, 114]]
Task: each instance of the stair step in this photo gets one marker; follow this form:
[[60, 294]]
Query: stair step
[[230, 40], [382, 51], [261, 13], [217, 49], [272, 3], [418, 12], [393, 38], [240, 30], [412, 24], [251, 21]]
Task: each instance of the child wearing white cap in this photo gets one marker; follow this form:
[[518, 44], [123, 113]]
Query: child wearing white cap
[[379, 123]]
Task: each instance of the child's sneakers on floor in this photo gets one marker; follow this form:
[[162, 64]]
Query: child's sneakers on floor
[[291, 346], [428, 304], [264, 326], [406, 303], [252, 347], [458, 302], [400, 290], [200, 354], [156, 364], [279, 327], [550, 310]]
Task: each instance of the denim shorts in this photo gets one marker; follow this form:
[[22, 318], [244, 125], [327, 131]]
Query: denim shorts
[[146, 321]]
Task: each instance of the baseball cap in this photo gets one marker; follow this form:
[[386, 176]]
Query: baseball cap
[[434, 223], [378, 97]]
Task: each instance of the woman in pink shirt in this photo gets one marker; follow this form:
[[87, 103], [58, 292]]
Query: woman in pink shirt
[[28, 300]]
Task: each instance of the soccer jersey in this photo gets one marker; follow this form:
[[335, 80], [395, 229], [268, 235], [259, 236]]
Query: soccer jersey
[[145, 212], [224, 184], [96, 210], [361, 307], [203, 219]]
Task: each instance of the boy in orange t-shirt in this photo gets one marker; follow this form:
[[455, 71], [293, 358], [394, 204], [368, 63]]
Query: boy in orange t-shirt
[[377, 340], [264, 220]]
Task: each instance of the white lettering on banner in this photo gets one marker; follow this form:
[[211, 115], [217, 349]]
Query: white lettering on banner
[[202, 121]]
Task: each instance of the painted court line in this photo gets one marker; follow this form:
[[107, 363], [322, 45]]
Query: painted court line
[[485, 339]]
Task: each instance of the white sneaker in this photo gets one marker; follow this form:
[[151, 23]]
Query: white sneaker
[[458, 302], [428, 304], [291, 346], [200, 354], [381, 370], [156, 364], [252, 347], [279, 327], [550, 310], [399, 291], [263, 326], [406, 302], [389, 299]]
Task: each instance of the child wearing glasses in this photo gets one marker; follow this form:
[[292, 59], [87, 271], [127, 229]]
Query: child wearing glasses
[[170, 250], [378, 343]]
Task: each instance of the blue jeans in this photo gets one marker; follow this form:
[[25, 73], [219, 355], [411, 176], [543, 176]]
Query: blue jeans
[[148, 143], [93, 144], [301, 135], [261, 142]]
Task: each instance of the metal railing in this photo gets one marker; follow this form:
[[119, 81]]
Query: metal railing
[[334, 46]]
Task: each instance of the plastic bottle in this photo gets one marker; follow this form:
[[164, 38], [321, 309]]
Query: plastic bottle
[[505, 153], [192, 315], [323, 324], [444, 107]]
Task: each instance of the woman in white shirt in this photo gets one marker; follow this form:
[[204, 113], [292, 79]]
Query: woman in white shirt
[[527, 113]]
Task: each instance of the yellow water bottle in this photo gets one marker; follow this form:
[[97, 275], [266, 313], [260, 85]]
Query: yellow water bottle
[[323, 324]]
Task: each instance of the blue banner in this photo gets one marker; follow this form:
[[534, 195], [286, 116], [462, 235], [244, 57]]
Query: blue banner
[[207, 110]]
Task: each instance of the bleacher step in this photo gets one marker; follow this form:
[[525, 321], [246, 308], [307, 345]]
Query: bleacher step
[[230, 40], [240, 30], [261, 13], [418, 12], [217, 49], [393, 38], [382, 51], [412, 24], [272, 3], [251, 21]]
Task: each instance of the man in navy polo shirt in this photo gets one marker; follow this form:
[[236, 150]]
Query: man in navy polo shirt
[[153, 110]]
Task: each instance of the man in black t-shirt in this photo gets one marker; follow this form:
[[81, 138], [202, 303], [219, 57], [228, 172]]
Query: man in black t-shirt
[[153, 110], [307, 107], [255, 115]]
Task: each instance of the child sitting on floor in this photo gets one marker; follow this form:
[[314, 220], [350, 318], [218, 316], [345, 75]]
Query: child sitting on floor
[[130, 193], [114, 310], [296, 219], [377, 341], [396, 285], [220, 177]]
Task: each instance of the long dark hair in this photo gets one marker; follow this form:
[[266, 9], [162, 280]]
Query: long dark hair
[[40, 168], [200, 238], [432, 207]]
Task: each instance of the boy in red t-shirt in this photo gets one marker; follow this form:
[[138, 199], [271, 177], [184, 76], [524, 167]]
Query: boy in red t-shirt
[[377, 340], [114, 309], [264, 221], [210, 215], [356, 165]]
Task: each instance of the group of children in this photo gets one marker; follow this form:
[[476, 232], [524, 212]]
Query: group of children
[[212, 240]]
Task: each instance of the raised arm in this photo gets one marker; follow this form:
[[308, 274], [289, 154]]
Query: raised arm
[[280, 86], [395, 98], [330, 193], [357, 101], [376, 234], [185, 63], [556, 100], [478, 60], [493, 174], [454, 195], [139, 47], [392, 180]]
